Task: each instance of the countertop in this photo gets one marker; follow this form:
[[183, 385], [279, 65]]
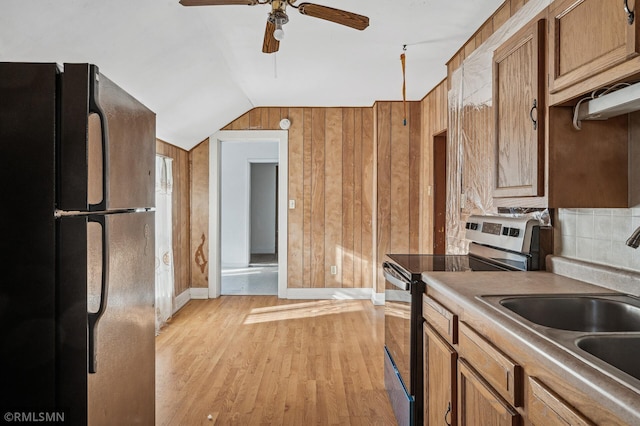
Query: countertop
[[600, 397]]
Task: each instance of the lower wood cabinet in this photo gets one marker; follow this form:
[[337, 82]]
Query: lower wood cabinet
[[479, 403], [546, 408], [440, 380], [474, 382]]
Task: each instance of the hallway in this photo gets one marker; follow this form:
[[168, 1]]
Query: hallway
[[255, 280]]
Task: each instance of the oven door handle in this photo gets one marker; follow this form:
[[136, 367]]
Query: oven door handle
[[392, 276]]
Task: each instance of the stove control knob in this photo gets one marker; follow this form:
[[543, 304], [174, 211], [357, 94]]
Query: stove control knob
[[514, 232]]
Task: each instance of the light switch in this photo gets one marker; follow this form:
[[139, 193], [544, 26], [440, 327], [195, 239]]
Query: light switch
[[334, 269], [292, 204]]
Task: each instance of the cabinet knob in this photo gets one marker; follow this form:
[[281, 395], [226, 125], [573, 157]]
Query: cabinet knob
[[630, 13], [534, 107], [447, 413]]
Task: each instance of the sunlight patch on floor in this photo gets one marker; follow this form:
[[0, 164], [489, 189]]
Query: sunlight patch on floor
[[301, 310]]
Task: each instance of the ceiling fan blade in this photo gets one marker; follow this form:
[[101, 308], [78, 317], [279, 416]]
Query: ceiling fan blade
[[338, 16], [217, 2], [270, 44]]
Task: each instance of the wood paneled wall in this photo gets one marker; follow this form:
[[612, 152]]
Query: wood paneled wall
[[199, 175], [331, 152], [398, 180], [434, 122], [495, 21], [180, 214]]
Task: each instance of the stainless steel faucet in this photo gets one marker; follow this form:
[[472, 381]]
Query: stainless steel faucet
[[634, 240]]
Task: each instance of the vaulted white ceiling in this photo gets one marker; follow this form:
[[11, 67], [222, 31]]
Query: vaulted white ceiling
[[199, 68]]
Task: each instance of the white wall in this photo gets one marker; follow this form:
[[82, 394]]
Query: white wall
[[235, 162], [263, 208]]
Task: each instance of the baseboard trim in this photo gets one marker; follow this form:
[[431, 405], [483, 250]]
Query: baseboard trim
[[181, 300], [377, 299], [185, 296], [329, 293], [294, 293], [199, 293]]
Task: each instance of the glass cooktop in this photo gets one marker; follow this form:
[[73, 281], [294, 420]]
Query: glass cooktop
[[416, 264]]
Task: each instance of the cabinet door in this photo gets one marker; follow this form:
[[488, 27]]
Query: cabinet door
[[440, 379], [545, 408], [588, 37], [479, 404], [519, 102]]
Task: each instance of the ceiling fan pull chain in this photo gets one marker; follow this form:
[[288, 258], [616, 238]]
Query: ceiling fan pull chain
[[404, 84], [275, 65]]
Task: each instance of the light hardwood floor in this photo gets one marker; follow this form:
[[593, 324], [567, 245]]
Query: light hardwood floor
[[260, 360]]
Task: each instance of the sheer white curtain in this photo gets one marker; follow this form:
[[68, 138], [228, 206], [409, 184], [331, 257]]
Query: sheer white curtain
[[164, 247]]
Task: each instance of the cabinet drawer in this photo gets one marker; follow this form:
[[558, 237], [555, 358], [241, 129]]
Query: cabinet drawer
[[545, 408], [440, 318], [497, 369]]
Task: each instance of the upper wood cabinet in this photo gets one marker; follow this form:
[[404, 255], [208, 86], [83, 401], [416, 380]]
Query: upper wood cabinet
[[519, 108], [589, 37]]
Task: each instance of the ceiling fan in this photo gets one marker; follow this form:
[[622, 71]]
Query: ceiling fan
[[273, 33]]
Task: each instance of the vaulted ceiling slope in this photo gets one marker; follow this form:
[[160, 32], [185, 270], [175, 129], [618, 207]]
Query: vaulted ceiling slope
[[199, 68]]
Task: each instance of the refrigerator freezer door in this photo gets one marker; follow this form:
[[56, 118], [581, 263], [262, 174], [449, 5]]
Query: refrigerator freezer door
[[107, 145], [122, 389], [27, 290]]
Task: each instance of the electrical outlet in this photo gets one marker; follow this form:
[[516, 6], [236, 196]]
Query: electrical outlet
[[334, 269], [292, 204]]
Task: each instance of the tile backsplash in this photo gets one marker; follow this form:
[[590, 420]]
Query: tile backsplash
[[598, 236]]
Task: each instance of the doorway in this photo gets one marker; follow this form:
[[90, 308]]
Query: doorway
[[230, 212], [439, 193], [263, 250], [247, 216]]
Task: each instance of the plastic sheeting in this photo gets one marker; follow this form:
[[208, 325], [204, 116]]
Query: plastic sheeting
[[470, 146]]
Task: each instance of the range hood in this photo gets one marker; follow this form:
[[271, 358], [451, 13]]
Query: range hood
[[612, 104]]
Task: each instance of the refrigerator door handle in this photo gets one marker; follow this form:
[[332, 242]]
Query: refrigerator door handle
[[94, 317], [94, 107]]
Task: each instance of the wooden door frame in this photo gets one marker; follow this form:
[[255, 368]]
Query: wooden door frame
[[440, 192], [280, 136]]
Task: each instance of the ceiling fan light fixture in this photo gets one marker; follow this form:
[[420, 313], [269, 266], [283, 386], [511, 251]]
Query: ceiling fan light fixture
[[279, 18], [278, 33]]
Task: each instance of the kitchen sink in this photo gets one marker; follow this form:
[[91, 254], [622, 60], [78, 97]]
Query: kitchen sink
[[619, 351], [601, 329], [578, 313]]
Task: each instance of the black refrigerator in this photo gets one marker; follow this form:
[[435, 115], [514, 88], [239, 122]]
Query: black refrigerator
[[77, 288]]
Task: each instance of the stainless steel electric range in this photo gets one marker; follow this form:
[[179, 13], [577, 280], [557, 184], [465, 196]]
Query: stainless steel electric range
[[497, 244]]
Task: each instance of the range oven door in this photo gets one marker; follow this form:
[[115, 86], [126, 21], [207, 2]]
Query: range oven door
[[397, 335]]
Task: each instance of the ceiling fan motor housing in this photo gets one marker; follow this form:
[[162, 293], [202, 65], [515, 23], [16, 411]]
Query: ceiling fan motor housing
[[278, 17]]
